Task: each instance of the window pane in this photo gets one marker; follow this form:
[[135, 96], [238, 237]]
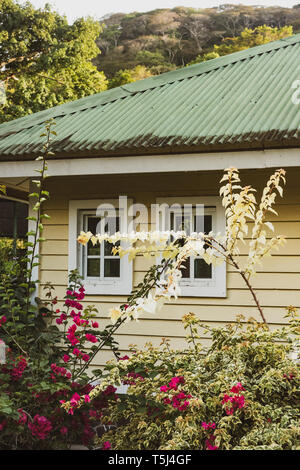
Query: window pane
[[112, 225], [199, 226], [92, 224], [93, 267], [111, 268], [93, 250], [92, 227], [186, 269], [202, 270], [182, 223], [108, 247], [198, 221]]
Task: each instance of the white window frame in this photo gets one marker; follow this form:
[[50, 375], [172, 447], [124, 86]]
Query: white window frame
[[94, 286], [215, 287]]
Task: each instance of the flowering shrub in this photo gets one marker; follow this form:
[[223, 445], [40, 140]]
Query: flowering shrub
[[33, 385], [48, 349], [240, 393]]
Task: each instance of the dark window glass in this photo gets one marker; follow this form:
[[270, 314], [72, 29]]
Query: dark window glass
[[186, 269], [93, 267], [202, 270], [111, 268]]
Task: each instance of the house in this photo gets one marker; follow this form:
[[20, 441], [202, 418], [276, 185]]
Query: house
[[167, 139], [14, 212]]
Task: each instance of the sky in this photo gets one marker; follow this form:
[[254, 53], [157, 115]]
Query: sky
[[97, 8]]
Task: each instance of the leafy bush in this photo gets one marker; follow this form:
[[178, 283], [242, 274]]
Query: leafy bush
[[45, 365], [240, 393], [46, 356], [12, 271]]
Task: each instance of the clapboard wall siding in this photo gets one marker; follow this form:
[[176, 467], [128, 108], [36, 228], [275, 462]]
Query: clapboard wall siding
[[277, 281]]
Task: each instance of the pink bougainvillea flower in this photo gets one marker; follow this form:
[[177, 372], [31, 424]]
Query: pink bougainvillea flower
[[91, 338], [95, 324], [110, 390], [207, 426], [87, 398], [22, 417], [3, 320], [123, 358], [210, 443], [85, 357], [236, 401], [2, 425], [106, 445], [237, 388], [132, 375], [40, 427], [17, 371], [66, 358], [63, 430]]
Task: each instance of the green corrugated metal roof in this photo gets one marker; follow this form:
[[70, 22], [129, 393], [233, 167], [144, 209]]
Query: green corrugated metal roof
[[237, 101]]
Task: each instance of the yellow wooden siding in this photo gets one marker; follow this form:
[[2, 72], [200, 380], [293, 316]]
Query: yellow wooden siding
[[277, 281]]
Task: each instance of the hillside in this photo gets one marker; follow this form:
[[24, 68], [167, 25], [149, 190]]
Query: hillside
[[165, 39]]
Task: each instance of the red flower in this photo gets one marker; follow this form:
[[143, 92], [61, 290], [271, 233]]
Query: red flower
[[106, 445], [40, 427], [91, 338]]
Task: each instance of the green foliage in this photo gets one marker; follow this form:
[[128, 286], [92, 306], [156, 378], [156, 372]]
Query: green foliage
[[248, 38], [42, 366], [179, 36], [251, 38], [44, 61], [33, 384], [204, 58], [150, 59], [128, 76], [247, 362]]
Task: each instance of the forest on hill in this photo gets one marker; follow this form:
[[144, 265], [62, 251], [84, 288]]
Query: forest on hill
[[164, 39]]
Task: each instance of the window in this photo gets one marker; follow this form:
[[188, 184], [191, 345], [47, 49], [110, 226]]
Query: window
[[198, 278], [103, 273]]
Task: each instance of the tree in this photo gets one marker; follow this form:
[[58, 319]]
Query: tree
[[251, 38], [196, 27], [128, 76], [204, 58], [248, 38], [163, 22], [44, 60]]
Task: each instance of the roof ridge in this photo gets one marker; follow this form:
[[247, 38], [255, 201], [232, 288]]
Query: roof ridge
[[157, 81]]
